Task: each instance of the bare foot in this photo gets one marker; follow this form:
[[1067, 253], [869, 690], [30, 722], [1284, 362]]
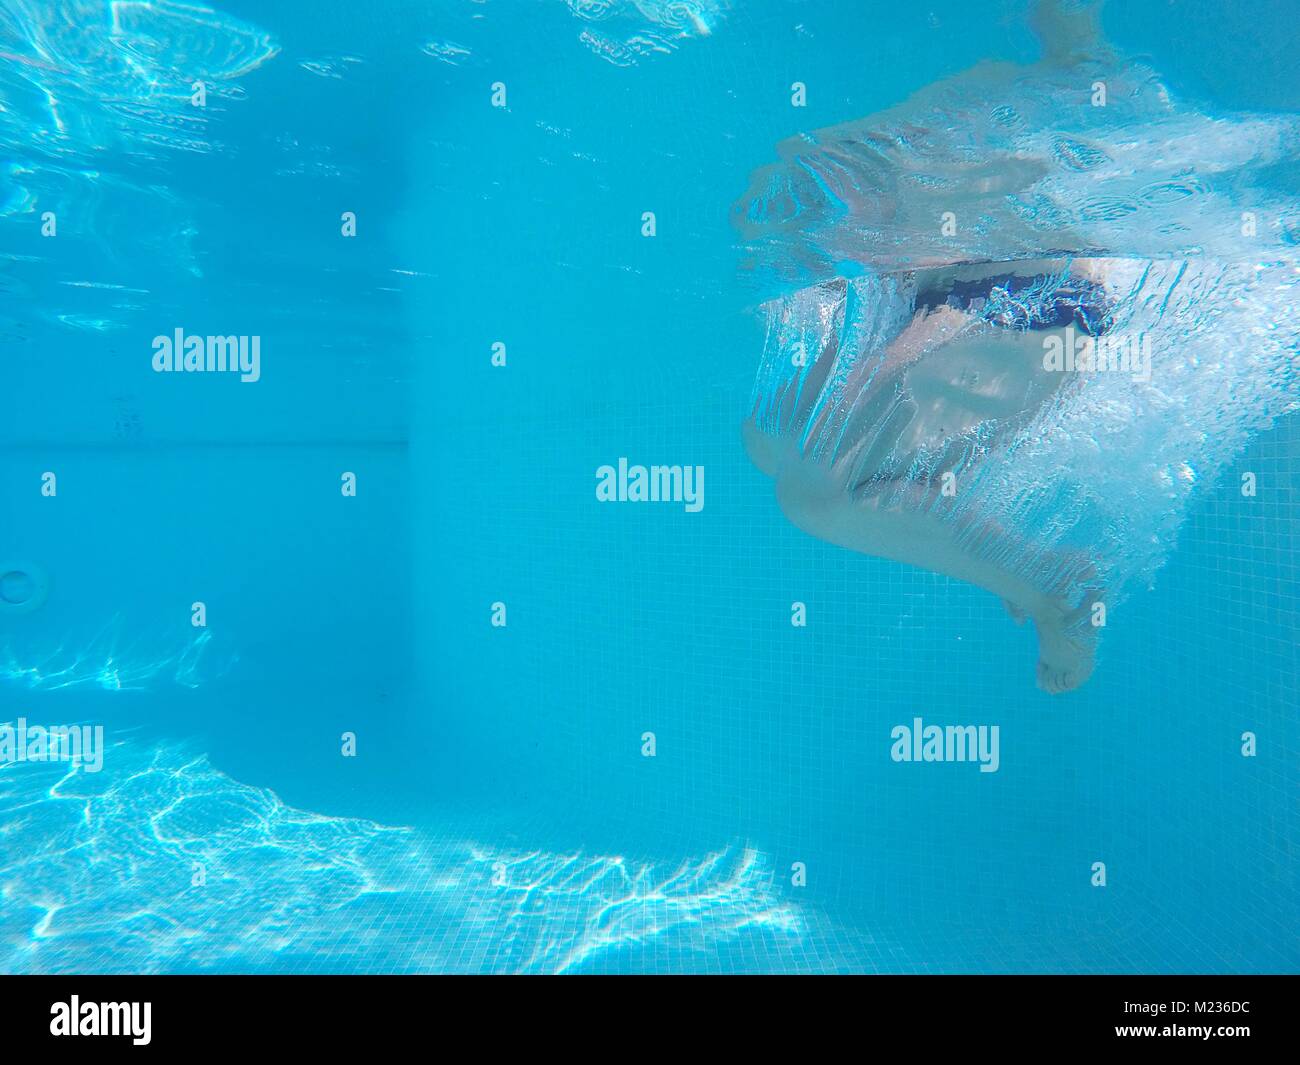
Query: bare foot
[[1065, 652]]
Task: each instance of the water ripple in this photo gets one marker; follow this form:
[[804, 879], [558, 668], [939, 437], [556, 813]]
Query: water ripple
[[623, 32]]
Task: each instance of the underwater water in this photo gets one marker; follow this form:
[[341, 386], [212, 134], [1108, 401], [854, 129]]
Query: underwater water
[[397, 673]]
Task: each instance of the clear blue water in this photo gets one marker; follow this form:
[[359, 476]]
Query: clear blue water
[[499, 812]]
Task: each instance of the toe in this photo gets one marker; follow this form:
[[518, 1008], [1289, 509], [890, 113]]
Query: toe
[[1054, 680]]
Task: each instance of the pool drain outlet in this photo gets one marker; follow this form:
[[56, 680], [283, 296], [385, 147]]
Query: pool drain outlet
[[24, 587]]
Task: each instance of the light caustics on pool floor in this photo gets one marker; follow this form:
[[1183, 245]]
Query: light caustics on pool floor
[[159, 862]]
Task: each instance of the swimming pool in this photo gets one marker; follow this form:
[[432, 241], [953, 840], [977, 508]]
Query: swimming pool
[[373, 491]]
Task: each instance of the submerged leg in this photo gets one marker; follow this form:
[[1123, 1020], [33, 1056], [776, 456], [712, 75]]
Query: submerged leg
[[948, 389], [913, 534]]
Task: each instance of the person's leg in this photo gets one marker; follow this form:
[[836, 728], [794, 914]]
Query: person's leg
[[912, 532], [850, 467]]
